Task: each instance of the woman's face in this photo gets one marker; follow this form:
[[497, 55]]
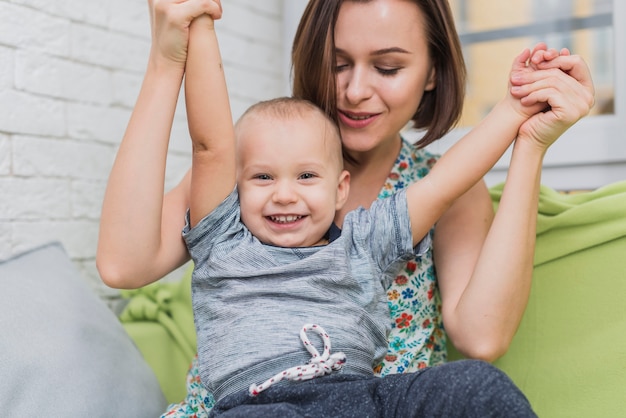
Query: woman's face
[[383, 69]]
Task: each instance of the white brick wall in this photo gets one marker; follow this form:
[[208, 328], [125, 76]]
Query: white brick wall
[[70, 71]]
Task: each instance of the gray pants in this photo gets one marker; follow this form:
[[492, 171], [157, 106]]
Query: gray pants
[[467, 388]]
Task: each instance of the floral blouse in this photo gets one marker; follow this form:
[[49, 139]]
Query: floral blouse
[[417, 339]]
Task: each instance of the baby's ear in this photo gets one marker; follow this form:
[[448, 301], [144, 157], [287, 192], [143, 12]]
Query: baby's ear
[[343, 189]]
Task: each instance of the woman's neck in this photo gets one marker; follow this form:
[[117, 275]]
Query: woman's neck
[[368, 173]]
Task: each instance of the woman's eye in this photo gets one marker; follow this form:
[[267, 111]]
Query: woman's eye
[[388, 71], [340, 67]]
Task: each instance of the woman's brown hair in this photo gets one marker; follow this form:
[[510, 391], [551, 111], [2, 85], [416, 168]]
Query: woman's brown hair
[[313, 61]]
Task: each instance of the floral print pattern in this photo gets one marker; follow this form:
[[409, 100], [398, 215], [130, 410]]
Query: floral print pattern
[[417, 339], [197, 403]]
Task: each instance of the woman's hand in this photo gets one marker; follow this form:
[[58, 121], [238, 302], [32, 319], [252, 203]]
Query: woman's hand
[[170, 21], [561, 86]]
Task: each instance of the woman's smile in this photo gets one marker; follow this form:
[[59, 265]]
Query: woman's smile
[[356, 120]]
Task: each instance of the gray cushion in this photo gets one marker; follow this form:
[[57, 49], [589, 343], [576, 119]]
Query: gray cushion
[[63, 353]]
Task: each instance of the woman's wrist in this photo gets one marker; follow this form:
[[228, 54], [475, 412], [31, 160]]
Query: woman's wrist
[[530, 148], [525, 167], [165, 66]]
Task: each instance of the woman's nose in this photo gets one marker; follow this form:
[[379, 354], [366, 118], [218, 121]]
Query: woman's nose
[[357, 85]]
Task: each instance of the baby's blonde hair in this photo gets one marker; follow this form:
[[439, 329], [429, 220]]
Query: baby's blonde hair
[[284, 108]]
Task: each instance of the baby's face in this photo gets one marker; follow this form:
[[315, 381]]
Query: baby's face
[[289, 179]]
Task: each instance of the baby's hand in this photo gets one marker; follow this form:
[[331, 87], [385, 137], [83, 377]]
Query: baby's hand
[[541, 54], [212, 9], [521, 78], [529, 61]]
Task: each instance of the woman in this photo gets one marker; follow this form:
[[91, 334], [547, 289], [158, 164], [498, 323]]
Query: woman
[[385, 80], [373, 66]]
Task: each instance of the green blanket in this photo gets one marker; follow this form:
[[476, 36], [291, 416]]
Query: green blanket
[[568, 223], [159, 319], [569, 354]]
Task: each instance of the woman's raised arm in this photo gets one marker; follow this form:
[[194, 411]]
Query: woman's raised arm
[[485, 269], [140, 229]]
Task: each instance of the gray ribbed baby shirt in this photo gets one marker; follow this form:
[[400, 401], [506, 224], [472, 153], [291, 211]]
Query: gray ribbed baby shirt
[[250, 300]]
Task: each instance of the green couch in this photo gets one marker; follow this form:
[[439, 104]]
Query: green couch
[[569, 354]]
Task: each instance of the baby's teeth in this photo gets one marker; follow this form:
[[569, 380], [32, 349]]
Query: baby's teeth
[[285, 219]]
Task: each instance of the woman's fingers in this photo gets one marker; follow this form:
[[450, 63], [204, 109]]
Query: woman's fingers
[[567, 101], [575, 67], [181, 13], [559, 90], [563, 83], [170, 21]]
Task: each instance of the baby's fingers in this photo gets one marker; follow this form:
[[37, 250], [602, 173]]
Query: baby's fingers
[[520, 62], [191, 9], [543, 55]]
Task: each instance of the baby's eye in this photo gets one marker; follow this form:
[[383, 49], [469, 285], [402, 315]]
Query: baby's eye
[[307, 176], [262, 177]]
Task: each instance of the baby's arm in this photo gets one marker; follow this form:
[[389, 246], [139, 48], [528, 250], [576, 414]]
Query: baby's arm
[[465, 163], [210, 120]]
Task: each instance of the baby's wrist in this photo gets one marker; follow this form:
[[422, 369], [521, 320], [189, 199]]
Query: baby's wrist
[[514, 109]]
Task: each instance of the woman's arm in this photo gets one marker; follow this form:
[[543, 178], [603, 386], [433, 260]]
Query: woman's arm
[[140, 228], [484, 264], [485, 269]]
